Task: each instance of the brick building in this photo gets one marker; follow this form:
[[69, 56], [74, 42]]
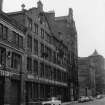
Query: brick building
[[99, 66], [86, 77], [11, 60], [42, 55], [91, 74]]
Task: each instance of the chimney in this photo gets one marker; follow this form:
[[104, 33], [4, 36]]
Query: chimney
[[40, 6], [1, 2], [70, 13]]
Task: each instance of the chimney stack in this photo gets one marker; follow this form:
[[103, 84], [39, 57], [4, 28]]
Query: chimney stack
[[70, 13], [1, 3]]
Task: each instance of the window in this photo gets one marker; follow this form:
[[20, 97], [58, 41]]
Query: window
[[29, 64], [3, 32], [29, 23], [42, 50], [36, 28], [14, 37], [2, 56], [35, 90], [50, 69], [17, 39], [42, 69], [20, 41], [52, 74], [49, 54], [48, 38], [42, 91], [46, 71], [64, 77], [59, 75], [42, 33], [29, 89], [29, 42], [35, 66], [36, 46], [55, 74], [16, 61], [10, 35], [46, 52], [54, 57]]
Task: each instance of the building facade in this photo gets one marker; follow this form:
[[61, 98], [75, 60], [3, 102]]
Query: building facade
[[42, 56], [11, 60]]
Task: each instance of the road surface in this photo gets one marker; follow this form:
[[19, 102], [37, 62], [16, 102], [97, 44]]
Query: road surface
[[95, 102]]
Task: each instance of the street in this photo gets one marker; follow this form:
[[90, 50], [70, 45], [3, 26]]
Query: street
[[95, 102]]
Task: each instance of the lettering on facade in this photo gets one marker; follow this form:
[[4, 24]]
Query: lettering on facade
[[5, 73]]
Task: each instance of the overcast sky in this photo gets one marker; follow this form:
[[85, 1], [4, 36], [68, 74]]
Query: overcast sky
[[89, 16]]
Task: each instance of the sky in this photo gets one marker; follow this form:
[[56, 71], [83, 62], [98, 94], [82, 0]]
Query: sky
[[89, 16]]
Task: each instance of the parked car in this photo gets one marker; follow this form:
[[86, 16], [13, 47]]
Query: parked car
[[83, 99], [100, 96], [53, 101]]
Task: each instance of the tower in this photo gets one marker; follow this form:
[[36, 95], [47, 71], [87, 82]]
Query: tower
[[40, 5]]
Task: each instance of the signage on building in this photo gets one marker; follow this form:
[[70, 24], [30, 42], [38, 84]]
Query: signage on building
[[6, 73]]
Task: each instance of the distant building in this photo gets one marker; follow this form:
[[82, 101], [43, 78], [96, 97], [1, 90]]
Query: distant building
[[86, 77], [91, 74], [38, 53], [99, 66]]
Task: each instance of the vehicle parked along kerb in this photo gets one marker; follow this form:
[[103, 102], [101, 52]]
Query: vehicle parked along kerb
[[53, 101]]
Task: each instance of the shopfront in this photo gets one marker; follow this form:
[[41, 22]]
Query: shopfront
[[9, 88]]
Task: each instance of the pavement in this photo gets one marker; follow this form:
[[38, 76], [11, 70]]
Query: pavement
[[95, 102]]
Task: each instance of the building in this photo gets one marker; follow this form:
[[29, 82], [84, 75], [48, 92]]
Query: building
[[48, 55], [11, 60], [91, 74], [86, 77], [99, 66]]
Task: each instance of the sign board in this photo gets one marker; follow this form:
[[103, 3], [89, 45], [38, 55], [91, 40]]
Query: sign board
[[6, 73]]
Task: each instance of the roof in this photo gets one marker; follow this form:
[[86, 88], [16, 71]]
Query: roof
[[95, 53], [54, 27], [61, 18], [12, 21]]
